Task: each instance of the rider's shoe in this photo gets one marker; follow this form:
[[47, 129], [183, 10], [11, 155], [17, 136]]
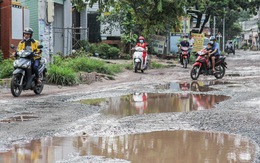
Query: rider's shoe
[[39, 82]]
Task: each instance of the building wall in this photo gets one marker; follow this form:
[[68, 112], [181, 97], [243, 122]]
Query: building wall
[[5, 27], [34, 16]]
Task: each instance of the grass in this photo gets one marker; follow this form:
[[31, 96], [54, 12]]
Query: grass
[[61, 75], [64, 70]]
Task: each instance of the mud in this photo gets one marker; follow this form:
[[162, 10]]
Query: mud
[[60, 115]]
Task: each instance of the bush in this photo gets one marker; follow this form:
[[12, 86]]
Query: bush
[[61, 75], [1, 56], [103, 50], [113, 53], [93, 48], [6, 68]]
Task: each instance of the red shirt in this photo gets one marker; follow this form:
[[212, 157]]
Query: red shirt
[[143, 45]]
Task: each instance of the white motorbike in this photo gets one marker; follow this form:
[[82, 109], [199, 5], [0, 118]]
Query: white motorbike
[[138, 59]]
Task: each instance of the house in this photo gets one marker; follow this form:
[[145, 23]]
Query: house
[[13, 18], [57, 26]]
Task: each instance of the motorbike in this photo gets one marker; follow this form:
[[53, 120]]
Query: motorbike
[[203, 66], [23, 75], [230, 50], [138, 60], [184, 55]]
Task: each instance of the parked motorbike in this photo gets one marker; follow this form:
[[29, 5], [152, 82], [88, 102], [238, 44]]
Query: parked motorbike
[[138, 63], [23, 75], [184, 55], [203, 66]]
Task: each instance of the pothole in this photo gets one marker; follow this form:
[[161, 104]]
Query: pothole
[[195, 86], [156, 147], [147, 103], [20, 118]]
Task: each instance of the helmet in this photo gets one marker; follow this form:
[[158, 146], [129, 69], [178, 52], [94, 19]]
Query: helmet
[[28, 31], [141, 38], [210, 43], [212, 38], [187, 35]]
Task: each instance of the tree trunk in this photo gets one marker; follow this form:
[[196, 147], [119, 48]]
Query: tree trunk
[[205, 22]]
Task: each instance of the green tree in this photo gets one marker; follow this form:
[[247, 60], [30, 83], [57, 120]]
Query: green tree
[[216, 8], [141, 16]]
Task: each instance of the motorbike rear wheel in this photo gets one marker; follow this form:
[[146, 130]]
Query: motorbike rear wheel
[[220, 71], [38, 89], [195, 72], [16, 89]]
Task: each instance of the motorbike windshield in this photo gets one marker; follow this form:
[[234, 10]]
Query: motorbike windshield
[[26, 52], [184, 48]]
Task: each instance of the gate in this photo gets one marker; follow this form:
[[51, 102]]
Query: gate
[[67, 39]]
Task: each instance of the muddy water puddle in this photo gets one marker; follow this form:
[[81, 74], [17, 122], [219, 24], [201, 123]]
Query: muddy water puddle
[[146, 103], [155, 147], [195, 86]]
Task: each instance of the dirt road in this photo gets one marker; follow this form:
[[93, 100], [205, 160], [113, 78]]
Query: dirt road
[[56, 113]]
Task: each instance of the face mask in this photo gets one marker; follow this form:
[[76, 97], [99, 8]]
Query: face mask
[[141, 41], [184, 39]]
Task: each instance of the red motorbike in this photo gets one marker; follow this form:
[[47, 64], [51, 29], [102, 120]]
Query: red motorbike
[[184, 55], [203, 66]]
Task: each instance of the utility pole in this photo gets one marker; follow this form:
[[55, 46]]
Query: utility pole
[[223, 35], [214, 27]]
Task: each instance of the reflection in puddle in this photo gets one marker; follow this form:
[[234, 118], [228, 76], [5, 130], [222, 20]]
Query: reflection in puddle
[[195, 86], [155, 147], [19, 118], [143, 103]]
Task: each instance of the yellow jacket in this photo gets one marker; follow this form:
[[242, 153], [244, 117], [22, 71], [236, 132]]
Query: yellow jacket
[[34, 46]]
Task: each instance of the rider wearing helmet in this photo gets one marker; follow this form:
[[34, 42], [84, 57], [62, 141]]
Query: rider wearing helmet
[[29, 41], [215, 52], [184, 43], [143, 44]]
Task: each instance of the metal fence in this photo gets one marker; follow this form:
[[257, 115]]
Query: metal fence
[[67, 39]]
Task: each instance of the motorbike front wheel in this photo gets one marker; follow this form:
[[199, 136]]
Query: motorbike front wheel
[[195, 72], [136, 66], [16, 89], [220, 72], [185, 62]]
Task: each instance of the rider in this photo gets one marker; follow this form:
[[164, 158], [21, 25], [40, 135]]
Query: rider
[[230, 45], [143, 44], [29, 41], [215, 52], [184, 43]]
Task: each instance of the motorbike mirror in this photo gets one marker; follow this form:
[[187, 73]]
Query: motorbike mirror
[[40, 46], [12, 46]]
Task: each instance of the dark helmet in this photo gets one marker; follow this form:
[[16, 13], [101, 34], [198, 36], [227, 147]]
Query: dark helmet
[[210, 43], [28, 31]]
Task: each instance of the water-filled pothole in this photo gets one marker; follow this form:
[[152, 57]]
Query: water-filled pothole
[[20, 118], [146, 103], [155, 147], [195, 86]]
